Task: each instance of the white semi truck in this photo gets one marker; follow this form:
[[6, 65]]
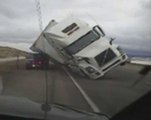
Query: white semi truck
[[82, 48]]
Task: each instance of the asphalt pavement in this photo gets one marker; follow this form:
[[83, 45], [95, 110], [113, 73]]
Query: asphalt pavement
[[117, 89], [31, 84], [112, 93]]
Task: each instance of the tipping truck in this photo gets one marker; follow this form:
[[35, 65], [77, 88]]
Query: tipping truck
[[82, 48]]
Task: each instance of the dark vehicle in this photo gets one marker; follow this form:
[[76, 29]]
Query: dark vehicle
[[37, 61]]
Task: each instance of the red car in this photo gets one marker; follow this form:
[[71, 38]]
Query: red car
[[37, 61]]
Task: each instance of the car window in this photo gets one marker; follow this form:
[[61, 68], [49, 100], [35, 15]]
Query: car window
[[43, 76]]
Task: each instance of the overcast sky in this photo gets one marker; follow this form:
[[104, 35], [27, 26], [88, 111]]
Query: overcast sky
[[127, 20]]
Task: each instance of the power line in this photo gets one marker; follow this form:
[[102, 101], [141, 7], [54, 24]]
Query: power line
[[38, 8]]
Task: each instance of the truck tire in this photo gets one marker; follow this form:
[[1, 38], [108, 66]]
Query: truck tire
[[84, 74], [123, 63]]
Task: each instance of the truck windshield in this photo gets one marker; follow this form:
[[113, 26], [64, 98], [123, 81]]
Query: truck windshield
[[82, 42]]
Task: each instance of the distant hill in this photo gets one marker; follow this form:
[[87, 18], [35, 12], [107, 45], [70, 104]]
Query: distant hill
[[11, 52]]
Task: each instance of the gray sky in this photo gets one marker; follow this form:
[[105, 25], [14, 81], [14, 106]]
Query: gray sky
[[127, 20]]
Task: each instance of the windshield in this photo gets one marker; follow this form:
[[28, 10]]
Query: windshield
[[59, 87], [82, 42]]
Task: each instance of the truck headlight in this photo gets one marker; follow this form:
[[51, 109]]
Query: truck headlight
[[90, 69]]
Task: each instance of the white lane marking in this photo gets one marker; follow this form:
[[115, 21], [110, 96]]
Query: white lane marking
[[86, 97]]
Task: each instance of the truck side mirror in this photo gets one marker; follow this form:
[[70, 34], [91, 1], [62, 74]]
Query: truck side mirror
[[111, 40], [96, 28]]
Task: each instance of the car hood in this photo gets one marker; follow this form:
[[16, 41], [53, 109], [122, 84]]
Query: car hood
[[25, 108]]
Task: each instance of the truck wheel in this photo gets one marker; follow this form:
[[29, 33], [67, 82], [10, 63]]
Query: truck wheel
[[123, 63], [84, 74]]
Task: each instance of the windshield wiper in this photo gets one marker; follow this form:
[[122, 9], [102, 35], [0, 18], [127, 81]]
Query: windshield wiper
[[65, 108]]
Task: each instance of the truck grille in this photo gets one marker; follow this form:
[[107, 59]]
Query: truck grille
[[105, 57], [111, 65]]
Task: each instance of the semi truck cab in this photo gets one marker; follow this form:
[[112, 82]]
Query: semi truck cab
[[84, 49]]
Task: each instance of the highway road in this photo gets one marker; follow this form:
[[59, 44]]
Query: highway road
[[109, 94]]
